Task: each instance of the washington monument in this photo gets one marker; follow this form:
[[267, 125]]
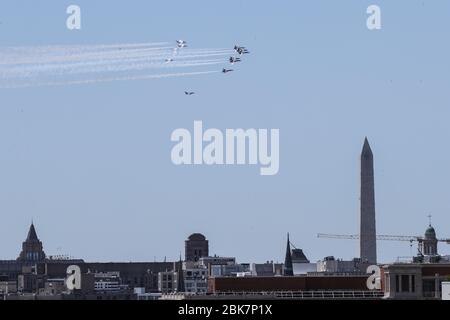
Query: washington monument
[[368, 242]]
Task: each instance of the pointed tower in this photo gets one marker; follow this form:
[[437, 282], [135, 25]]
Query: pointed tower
[[288, 269], [368, 242], [180, 280], [32, 250]]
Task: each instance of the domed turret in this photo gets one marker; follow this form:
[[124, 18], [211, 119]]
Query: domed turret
[[197, 237], [196, 247], [430, 233], [429, 244]]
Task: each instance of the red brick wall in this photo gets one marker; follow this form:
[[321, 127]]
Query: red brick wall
[[429, 271], [286, 283]]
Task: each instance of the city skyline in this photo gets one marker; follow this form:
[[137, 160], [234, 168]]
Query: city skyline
[[90, 164]]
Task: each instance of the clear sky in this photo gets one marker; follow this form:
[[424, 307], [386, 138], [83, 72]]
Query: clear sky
[[91, 163]]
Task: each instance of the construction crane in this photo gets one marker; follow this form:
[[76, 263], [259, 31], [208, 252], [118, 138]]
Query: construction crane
[[385, 237]]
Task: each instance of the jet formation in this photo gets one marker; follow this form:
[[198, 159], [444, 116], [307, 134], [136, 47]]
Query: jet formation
[[240, 50]]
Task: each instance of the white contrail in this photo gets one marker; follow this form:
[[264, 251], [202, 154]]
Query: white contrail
[[117, 58], [111, 56], [16, 56], [31, 58], [144, 66], [68, 70], [86, 47], [60, 65], [42, 53], [95, 66], [124, 78]]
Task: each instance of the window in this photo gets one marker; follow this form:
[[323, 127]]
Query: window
[[397, 283], [413, 283], [405, 283]]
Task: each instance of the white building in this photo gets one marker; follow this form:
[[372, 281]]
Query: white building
[[332, 265], [142, 295], [107, 281], [196, 280], [303, 268], [208, 261], [228, 270]]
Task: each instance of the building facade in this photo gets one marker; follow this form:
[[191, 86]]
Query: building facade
[[196, 247]]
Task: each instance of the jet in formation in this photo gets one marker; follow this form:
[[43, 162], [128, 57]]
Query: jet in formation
[[241, 50], [233, 60], [181, 44]]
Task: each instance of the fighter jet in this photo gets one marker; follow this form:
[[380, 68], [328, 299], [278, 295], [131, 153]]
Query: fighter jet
[[241, 50], [234, 60], [181, 43], [189, 93], [226, 70]]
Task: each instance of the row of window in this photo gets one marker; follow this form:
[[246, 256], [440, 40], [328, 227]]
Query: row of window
[[405, 283]]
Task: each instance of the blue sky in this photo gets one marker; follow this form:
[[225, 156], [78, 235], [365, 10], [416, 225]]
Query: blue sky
[[91, 163]]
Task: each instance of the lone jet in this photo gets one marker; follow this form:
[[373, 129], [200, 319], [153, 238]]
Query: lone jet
[[234, 60], [189, 93], [227, 70]]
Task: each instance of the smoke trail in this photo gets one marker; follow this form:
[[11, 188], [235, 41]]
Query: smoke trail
[[46, 57], [19, 56], [53, 67], [57, 65], [124, 78], [69, 70], [106, 58]]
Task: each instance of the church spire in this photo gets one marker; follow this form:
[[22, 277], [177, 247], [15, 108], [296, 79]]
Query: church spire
[[32, 250], [288, 270], [180, 280], [32, 235]]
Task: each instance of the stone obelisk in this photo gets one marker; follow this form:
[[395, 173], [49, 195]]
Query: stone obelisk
[[368, 241]]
